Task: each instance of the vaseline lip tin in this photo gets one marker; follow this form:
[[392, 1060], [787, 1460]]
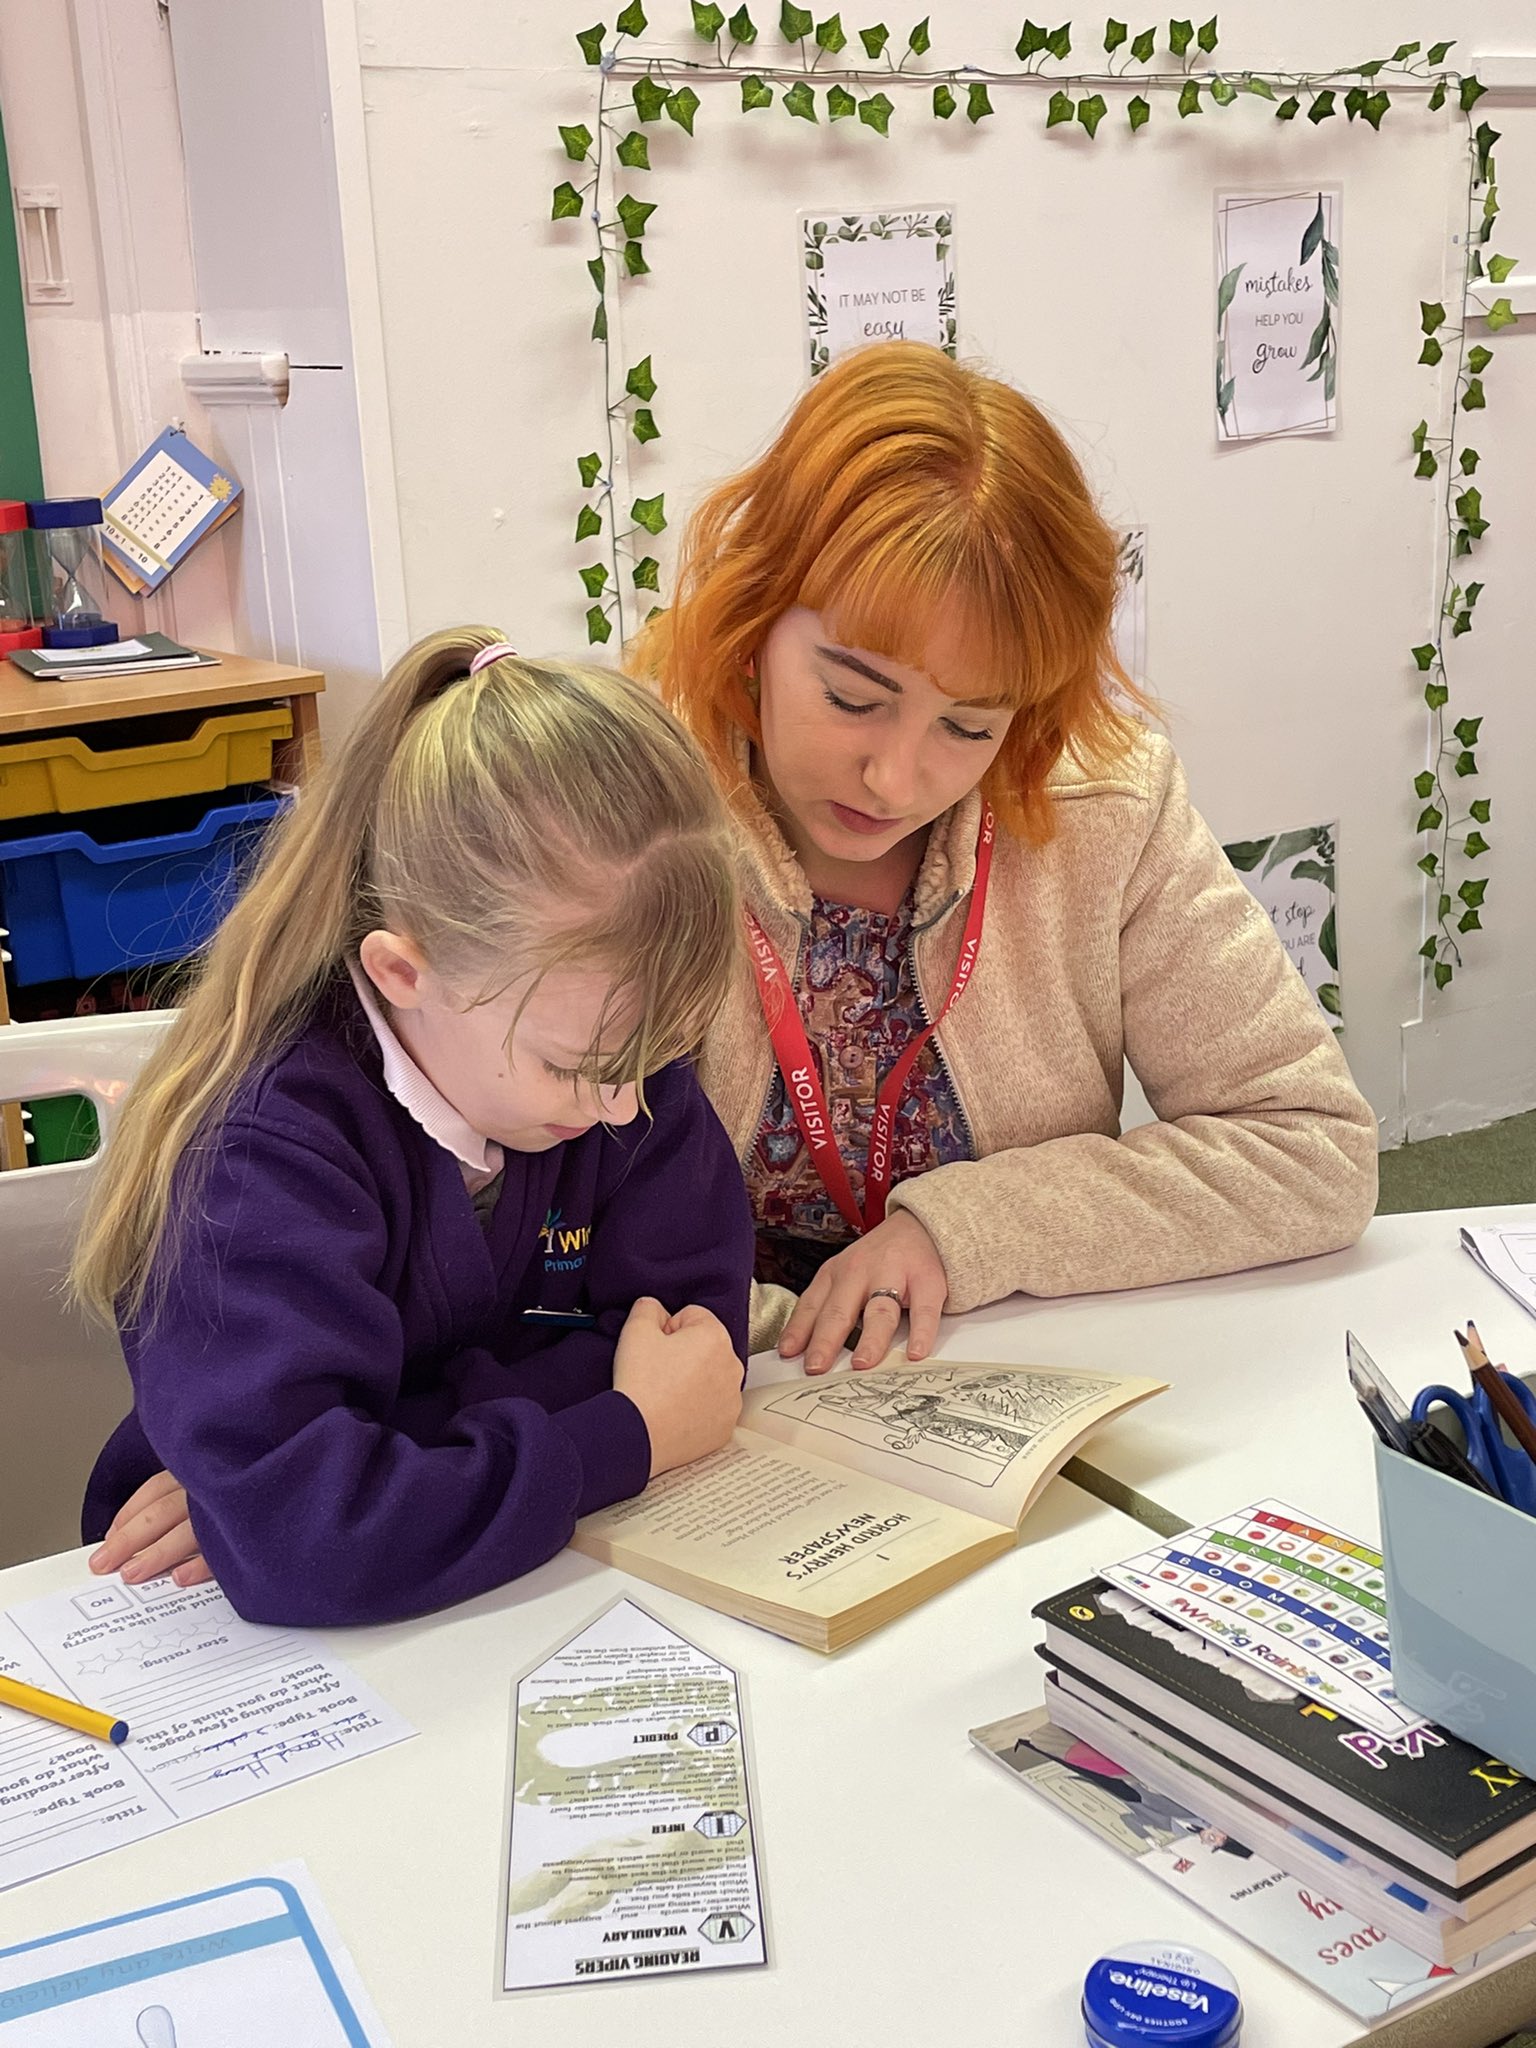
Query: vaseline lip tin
[[1157, 1991]]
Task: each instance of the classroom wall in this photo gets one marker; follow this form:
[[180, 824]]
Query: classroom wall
[[1286, 580]]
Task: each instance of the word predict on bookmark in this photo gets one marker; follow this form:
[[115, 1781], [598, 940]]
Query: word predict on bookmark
[[1277, 314], [631, 1851], [1304, 1603], [217, 1708], [878, 277], [244, 1966]]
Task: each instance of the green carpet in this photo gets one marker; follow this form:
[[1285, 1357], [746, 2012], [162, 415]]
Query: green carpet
[[1470, 1171]]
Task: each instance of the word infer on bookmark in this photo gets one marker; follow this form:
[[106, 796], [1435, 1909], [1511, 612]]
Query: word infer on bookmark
[[1302, 1602]]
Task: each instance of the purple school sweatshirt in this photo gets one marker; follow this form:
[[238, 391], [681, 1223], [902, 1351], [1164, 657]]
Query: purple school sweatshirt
[[340, 1374]]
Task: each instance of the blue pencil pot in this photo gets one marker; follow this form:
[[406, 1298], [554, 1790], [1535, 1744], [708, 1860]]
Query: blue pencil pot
[[1459, 1566]]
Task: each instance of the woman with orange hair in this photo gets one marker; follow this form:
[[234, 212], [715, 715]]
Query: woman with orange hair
[[975, 888]]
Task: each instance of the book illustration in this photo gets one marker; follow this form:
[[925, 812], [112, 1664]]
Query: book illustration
[[630, 1847], [1343, 1954], [961, 1419], [1301, 1601]]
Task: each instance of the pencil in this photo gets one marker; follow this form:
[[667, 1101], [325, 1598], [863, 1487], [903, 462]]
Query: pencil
[[1503, 1403], [48, 1706]]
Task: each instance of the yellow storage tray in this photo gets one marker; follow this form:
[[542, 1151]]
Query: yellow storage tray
[[63, 772]]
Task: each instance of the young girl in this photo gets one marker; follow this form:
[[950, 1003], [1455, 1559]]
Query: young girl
[[421, 1238]]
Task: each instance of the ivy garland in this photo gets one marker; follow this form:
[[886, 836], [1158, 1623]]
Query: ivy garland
[[821, 81]]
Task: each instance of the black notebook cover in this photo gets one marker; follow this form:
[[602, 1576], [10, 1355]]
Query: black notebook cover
[[1447, 1794]]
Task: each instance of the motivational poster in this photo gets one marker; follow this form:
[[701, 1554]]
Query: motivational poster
[[1292, 875], [1277, 313], [877, 277]]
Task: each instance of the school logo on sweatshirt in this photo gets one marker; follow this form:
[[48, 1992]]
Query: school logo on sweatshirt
[[564, 1245]]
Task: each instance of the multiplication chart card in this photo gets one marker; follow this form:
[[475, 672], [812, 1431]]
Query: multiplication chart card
[[1301, 1602]]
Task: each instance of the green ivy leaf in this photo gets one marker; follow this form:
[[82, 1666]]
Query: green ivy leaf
[[1404, 51], [1475, 844], [1482, 811], [632, 21], [1426, 464], [708, 19], [1206, 36], [566, 202], [1288, 109], [840, 103], [600, 322], [589, 468], [743, 29], [830, 36], [1180, 35], [978, 101], [876, 112], [1423, 783], [800, 101], [634, 151], [1443, 973], [634, 213], [577, 140], [646, 574], [1424, 656], [1143, 46], [1419, 433], [1060, 109], [1370, 70], [1031, 42], [1059, 42], [1472, 893], [650, 513], [1500, 314], [1499, 267], [1431, 315], [1322, 106], [593, 578], [1328, 995], [1469, 461], [1471, 92], [634, 259], [1475, 266], [874, 39], [1435, 695], [588, 522], [755, 92], [1090, 112], [943, 102], [1485, 138], [1430, 820], [1443, 907], [1431, 352], [1462, 624], [1223, 91], [1140, 113], [1466, 730], [1259, 87], [794, 22], [1473, 592], [1478, 359], [1472, 399], [599, 627], [650, 97], [1429, 863], [682, 105], [640, 383], [1377, 105], [920, 42], [1469, 921], [591, 41], [1189, 99], [1429, 949], [1436, 53], [1469, 503], [1115, 33], [1437, 97], [643, 424]]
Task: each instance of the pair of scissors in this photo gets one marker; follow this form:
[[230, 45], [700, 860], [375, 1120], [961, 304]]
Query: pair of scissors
[[1502, 1466]]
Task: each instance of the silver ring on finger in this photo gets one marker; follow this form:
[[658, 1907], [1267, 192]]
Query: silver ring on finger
[[887, 1294]]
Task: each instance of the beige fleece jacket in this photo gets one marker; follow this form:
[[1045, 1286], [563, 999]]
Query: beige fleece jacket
[[1128, 937]]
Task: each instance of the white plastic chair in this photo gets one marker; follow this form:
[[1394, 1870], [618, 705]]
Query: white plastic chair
[[63, 1385]]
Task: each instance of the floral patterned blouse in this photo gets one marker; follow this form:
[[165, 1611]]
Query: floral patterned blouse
[[859, 1002]]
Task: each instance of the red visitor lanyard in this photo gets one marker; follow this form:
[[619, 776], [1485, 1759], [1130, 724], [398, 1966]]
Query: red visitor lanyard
[[797, 1063]]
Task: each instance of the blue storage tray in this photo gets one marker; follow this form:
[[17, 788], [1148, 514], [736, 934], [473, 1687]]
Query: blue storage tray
[[79, 904]]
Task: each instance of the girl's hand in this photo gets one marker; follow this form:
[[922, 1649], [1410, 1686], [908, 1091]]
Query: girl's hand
[[897, 1254], [683, 1375], [150, 1535]]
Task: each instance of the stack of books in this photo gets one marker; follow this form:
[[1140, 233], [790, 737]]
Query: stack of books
[[142, 655]]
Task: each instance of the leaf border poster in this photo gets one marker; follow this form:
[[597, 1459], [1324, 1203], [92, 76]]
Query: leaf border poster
[[878, 277], [1293, 875], [1277, 313]]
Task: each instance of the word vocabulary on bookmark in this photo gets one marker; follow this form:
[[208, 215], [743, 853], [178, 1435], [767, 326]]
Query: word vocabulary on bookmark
[[1302, 1602]]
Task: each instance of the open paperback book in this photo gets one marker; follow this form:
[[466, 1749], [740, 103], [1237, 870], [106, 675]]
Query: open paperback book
[[842, 1502]]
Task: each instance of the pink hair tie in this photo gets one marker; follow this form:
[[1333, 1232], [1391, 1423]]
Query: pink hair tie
[[487, 655]]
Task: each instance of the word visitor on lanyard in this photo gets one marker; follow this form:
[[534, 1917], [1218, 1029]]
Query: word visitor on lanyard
[[798, 1065]]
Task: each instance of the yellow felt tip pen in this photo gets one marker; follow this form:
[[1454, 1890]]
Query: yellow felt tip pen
[[49, 1706]]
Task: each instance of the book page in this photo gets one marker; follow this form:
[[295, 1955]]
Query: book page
[[981, 1438], [779, 1527]]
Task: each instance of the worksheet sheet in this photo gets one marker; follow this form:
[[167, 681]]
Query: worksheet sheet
[[1305, 1603], [631, 1849], [245, 1965], [218, 1710]]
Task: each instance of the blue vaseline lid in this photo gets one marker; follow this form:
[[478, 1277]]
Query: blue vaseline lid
[[1157, 1991]]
